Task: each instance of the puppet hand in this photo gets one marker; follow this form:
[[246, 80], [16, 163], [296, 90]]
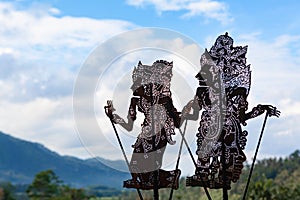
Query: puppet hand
[[272, 110], [109, 109], [187, 109]]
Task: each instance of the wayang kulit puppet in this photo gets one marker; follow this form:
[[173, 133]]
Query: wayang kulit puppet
[[224, 84], [152, 97], [221, 97]]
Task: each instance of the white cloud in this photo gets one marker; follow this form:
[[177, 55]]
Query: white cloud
[[285, 40], [275, 80], [275, 71], [41, 27], [40, 54], [207, 8], [148, 45], [26, 118], [5, 50], [289, 107], [41, 58], [36, 36], [43, 120], [210, 9]]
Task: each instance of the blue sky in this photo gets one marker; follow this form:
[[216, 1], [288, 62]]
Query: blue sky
[[273, 18], [43, 45]]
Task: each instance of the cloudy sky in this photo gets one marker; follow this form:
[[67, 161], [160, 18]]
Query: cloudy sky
[[46, 45]]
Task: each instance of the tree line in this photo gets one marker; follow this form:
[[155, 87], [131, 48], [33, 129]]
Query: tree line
[[273, 179]]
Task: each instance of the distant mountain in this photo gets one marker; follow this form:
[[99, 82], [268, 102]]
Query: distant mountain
[[20, 160], [115, 164]]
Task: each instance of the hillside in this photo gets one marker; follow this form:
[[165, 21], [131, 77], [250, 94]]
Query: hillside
[[20, 160]]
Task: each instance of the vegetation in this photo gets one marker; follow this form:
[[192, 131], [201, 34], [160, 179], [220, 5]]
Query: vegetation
[[47, 186], [6, 191], [273, 179]]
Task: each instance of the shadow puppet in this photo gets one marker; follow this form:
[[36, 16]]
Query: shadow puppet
[[152, 97], [224, 84]]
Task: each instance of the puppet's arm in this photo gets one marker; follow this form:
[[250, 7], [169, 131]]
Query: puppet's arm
[[109, 109], [260, 109], [193, 106]]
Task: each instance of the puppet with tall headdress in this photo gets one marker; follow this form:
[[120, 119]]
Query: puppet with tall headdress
[[152, 97], [224, 84]]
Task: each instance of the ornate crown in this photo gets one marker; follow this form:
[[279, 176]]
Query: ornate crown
[[159, 73], [230, 62]]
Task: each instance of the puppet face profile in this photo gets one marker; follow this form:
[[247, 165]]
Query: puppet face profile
[[137, 87]]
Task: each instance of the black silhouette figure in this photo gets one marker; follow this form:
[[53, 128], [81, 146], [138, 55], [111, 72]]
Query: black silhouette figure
[[152, 97], [224, 84]]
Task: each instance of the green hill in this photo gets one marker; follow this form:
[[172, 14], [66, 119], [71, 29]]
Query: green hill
[[20, 160]]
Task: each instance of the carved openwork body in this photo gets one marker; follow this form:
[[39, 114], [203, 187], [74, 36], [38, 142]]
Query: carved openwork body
[[152, 97], [224, 84]]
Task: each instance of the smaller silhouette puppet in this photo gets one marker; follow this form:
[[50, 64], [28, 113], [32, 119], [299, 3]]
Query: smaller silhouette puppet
[[224, 84], [152, 97]]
